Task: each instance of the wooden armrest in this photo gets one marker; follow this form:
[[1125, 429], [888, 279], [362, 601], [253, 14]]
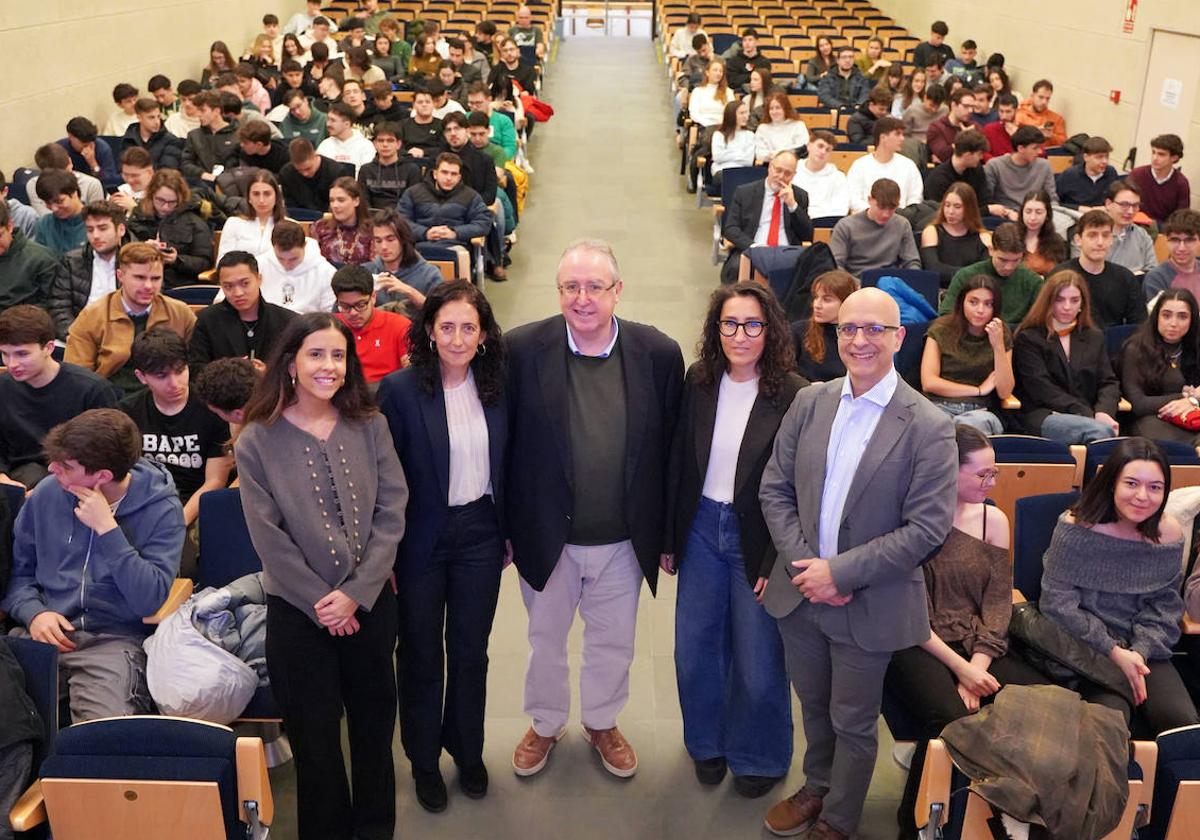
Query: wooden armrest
[[1018, 597], [207, 276], [1145, 753], [1010, 404], [1079, 453], [935, 784], [478, 241], [253, 784], [30, 810], [1124, 405], [1190, 625], [181, 590], [1185, 816]]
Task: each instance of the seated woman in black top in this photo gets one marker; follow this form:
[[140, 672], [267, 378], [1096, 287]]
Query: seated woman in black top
[[1064, 380], [1158, 362], [956, 237], [817, 358]]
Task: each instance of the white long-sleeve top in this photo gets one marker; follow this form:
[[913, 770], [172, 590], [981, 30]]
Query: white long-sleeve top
[[867, 170], [775, 137], [737, 152], [470, 460], [827, 191], [303, 289], [681, 42], [704, 107], [735, 400], [248, 235]]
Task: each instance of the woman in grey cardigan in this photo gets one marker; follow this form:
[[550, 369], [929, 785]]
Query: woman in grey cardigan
[[1112, 576], [324, 498]]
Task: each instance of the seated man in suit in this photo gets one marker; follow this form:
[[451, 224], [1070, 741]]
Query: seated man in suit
[[770, 212], [111, 522]]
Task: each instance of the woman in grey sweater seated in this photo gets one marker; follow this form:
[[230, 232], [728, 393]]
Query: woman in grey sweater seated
[[324, 499], [1112, 577]]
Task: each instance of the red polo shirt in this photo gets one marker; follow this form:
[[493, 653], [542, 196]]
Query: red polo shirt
[[382, 344]]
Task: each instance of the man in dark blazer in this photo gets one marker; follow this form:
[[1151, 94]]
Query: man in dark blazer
[[593, 403], [769, 212], [241, 325], [860, 489]]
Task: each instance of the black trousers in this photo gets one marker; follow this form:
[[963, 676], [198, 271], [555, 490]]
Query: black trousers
[[447, 604], [928, 690], [1167, 703], [315, 676]]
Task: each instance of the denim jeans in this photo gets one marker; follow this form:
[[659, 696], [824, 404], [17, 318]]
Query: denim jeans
[[966, 414], [1074, 428], [729, 665]]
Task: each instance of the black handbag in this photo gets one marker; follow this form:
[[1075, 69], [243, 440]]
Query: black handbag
[[1045, 645]]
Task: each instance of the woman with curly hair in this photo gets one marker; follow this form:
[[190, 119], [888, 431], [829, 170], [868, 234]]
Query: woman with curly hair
[[447, 412], [733, 687]]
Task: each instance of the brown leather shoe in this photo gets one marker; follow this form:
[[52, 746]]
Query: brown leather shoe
[[824, 831], [533, 752], [616, 754], [793, 815]]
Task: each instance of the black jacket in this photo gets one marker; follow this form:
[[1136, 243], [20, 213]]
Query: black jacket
[[424, 205], [860, 128], [19, 718], [524, 75], [740, 221], [385, 183], [1047, 381], [479, 172], [273, 161], [186, 231], [71, 288], [219, 333], [205, 149], [540, 487], [166, 150], [941, 177], [418, 423], [689, 466], [738, 69], [312, 193]]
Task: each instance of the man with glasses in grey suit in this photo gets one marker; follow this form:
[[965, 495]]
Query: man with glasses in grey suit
[[859, 490]]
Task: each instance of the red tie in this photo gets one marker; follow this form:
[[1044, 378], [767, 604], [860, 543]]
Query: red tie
[[773, 230]]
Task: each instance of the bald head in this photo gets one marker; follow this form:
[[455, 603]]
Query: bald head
[[868, 358], [871, 302]]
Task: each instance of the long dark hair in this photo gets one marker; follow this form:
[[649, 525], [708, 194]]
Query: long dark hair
[[956, 320], [353, 189], [276, 391], [1146, 351], [1050, 245], [729, 126], [840, 284], [264, 176], [1097, 505], [487, 366], [390, 217], [778, 358]]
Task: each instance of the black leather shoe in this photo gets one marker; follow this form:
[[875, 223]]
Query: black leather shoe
[[473, 781], [710, 771], [753, 787], [431, 790]]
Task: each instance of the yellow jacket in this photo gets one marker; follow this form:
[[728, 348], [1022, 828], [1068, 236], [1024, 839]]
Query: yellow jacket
[[101, 336]]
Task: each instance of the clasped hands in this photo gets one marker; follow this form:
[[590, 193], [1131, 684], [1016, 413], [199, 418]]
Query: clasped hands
[[336, 613], [815, 583]]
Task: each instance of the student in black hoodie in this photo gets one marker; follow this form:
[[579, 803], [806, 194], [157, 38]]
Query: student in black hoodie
[[307, 177], [166, 150], [421, 132], [860, 128], [386, 178], [242, 324], [387, 108], [259, 149]]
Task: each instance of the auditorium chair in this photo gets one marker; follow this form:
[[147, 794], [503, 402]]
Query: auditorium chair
[[1183, 459], [39, 662], [927, 283], [1035, 518], [195, 295], [1029, 466], [1175, 812]]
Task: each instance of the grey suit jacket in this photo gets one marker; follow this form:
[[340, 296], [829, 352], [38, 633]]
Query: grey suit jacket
[[899, 510]]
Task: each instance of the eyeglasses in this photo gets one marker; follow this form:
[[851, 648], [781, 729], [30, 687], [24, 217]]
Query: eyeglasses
[[1128, 205], [874, 332], [572, 289], [752, 329], [165, 202], [987, 476], [358, 308], [1178, 241]]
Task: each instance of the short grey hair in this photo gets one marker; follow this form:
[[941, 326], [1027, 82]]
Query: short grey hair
[[592, 246]]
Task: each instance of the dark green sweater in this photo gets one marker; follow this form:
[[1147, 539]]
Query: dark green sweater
[[596, 414]]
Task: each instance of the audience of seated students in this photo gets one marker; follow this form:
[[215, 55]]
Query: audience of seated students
[[259, 150], [385, 178], [178, 430], [343, 144], [421, 131], [87, 156], [37, 392], [111, 522], [743, 58], [27, 270], [1116, 294], [1044, 248], [250, 230], [999, 132], [1017, 284], [401, 273], [770, 213], [308, 176], [345, 234], [89, 272], [822, 181], [815, 338], [780, 129], [295, 275], [182, 122], [23, 216], [844, 87], [381, 338], [1064, 379], [941, 133], [1035, 111], [1181, 268], [876, 237], [1159, 362], [1164, 187], [166, 150], [442, 208], [1013, 176], [733, 145], [884, 162], [503, 132], [61, 229], [1083, 186], [966, 366], [52, 156], [168, 217], [214, 144], [860, 128], [964, 166], [242, 322], [968, 583], [956, 237], [924, 110], [1131, 246], [1111, 577], [99, 338]]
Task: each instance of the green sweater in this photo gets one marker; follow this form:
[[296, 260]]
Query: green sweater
[[60, 235], [1017, 291], [26, 271]]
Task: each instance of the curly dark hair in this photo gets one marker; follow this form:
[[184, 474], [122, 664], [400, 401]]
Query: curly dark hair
[[778, 358], [487, 366]]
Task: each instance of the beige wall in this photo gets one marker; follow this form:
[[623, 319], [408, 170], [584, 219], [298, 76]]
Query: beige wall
[[1081, 47], [62, 58]]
